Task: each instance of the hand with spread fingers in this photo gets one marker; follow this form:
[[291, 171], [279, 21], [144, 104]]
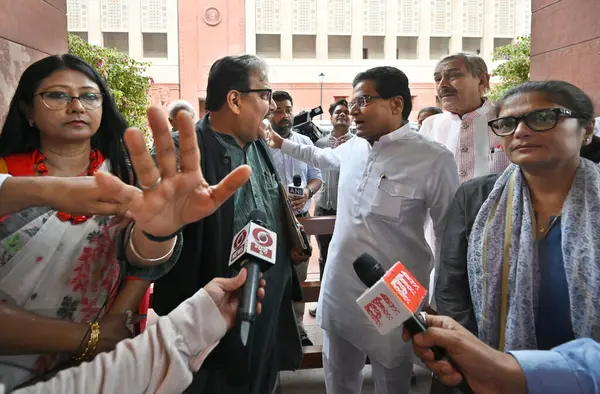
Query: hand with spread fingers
[[170, 197]]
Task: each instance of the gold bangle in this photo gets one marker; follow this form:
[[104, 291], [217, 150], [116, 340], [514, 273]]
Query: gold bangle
[[92, 343]]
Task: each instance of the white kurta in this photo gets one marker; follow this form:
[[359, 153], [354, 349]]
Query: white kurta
[[385, 192], [477, 150]]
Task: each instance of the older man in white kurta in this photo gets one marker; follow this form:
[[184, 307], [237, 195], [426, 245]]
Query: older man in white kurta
[[461, 83], [390, 178]]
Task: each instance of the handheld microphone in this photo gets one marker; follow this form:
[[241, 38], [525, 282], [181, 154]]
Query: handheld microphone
[[295, 189], [254, 247], [392, 299]]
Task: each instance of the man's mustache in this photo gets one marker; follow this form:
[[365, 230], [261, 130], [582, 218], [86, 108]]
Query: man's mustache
[[446, 92]]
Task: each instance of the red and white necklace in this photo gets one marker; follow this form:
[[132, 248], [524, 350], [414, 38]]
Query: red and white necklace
[[96, 160]]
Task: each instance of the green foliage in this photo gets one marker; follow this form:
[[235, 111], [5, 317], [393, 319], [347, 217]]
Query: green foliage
[[515, 69], [125, 77]]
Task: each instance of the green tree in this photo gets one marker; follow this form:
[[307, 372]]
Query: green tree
[[126, 78], [515, 68]]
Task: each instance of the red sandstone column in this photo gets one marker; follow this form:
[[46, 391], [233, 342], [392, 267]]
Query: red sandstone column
[[565, 43], [21, 45]]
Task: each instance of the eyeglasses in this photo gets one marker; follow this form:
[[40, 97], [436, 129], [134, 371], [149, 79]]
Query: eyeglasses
[[362, 101], [539, 120], [267, 96], [60, 100]]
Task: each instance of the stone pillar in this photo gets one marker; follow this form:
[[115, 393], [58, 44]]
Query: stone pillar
[[356, 40], [424, 31], [21, 45], [571, 52]]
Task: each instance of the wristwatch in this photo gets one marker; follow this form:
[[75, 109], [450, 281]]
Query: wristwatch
[[310, 192]]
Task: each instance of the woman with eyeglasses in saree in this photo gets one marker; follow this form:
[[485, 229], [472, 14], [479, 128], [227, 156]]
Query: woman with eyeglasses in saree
[[72, 268], [520, 261]]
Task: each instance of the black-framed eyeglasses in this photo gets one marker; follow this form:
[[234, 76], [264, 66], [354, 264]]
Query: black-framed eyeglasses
[[268, 93], [538, 120], [361, 101], [60, 100]]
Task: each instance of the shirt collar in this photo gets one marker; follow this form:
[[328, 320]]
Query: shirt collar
[[343, 138], [396, 134], [481, 111]]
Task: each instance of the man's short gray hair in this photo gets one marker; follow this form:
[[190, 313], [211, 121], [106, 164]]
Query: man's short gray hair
[[474, 64], [179, 105]]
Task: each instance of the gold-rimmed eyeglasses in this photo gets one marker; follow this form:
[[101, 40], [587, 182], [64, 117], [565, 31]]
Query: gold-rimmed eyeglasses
[[60, 100]]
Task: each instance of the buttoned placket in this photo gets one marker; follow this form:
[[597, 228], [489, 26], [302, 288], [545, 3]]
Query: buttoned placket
[[366, 175], [465, 153]]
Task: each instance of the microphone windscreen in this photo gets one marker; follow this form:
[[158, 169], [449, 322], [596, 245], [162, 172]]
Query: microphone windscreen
[[258, 216], [369, 271]]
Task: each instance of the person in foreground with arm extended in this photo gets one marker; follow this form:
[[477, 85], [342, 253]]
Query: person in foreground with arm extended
[[73, 271], [568, 368], [163, 358]]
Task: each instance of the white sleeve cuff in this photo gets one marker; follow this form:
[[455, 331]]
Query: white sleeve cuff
[[3, 177]]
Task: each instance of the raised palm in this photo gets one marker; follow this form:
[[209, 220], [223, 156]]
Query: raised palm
[[171, 197]]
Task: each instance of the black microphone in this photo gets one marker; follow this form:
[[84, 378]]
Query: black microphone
[[295, 189], [369, 272], [254, 247]]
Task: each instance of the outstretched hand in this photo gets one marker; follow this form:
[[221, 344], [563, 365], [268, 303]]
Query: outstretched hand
[[170, 197]]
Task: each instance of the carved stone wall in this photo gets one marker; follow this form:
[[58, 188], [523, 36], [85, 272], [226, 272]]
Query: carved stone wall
[[29, 30]]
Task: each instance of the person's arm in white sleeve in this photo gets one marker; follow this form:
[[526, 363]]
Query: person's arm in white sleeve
[[322, 159], [3, 177], [441, 187], [164, 357]]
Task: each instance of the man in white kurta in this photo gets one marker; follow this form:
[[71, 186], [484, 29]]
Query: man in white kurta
[[461, 83], [389, 180]]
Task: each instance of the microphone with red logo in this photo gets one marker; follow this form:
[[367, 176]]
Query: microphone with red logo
[[254, 247], [392, 299]]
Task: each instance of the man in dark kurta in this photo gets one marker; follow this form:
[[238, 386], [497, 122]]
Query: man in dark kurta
[[238, 99]]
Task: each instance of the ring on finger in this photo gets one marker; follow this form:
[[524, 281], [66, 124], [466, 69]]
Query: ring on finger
[[152, 186]]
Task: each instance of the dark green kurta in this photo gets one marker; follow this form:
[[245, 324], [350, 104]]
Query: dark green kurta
[[274, 342]]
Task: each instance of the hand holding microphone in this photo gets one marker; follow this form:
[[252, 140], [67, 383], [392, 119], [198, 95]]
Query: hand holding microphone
[[254, 248], [487, 370], [392, 299], [223, 292], [297, 194]]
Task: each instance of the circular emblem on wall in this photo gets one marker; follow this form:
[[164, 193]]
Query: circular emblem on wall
[[212, 16]]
